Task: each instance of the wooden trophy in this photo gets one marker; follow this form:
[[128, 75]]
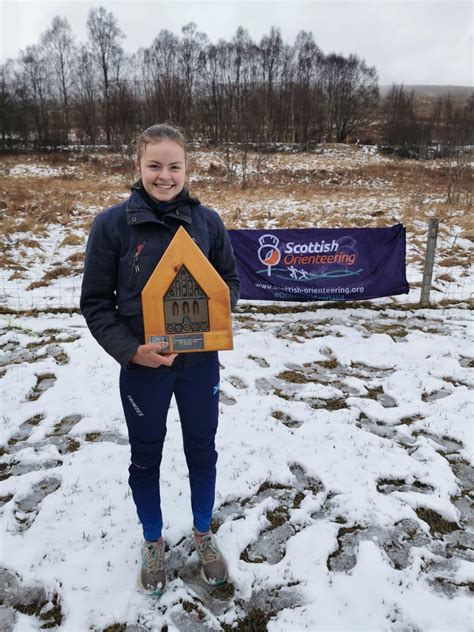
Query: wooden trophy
[[185, 302]]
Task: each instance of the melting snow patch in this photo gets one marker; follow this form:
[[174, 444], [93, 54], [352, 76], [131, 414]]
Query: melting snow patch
[[22, 170]]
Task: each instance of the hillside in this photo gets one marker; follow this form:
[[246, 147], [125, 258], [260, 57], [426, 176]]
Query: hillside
[[460, 93]]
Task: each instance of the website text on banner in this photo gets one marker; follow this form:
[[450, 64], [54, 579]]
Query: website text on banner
[[336, 264]]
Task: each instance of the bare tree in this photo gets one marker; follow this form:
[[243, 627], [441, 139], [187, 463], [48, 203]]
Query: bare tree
[[307, 97], [8, 109], [58, 42], [452, 122], [400, 123], [105, 37], [161, 77], [453, 126], [191, 60], [213, 105], [87, 95], [126, 109], [271, 52], [227, 92], [35, 81], [352, 93]]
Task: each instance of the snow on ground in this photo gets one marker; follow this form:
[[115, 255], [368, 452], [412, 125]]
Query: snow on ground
[[327, 158], [34, 171], [344, 495], [350, 192], [29, 289]]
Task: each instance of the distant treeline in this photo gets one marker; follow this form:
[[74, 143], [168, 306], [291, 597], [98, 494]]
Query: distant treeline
[[60, 91]]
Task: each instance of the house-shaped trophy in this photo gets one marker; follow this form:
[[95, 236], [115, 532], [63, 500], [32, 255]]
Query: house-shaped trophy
[[185, 302]]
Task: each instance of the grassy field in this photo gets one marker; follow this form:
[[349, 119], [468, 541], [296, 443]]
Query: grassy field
[[47, 202]]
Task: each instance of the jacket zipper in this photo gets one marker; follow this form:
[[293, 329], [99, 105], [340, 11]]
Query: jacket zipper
[[136, 257]]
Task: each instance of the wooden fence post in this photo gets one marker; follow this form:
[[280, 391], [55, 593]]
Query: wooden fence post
[[429, 262]]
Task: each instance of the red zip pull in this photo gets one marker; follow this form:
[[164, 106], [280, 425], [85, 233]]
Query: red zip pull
[[137, 254]]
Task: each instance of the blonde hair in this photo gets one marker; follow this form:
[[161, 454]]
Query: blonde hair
[[154, 134]]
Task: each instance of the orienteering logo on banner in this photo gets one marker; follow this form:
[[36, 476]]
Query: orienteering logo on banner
[[335, 259], [268, 252]]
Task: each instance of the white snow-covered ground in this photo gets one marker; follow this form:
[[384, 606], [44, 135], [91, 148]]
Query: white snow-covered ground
[[344, 494], [22, 170]]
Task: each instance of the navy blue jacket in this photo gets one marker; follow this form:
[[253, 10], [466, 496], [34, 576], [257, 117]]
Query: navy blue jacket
[[125, 244]]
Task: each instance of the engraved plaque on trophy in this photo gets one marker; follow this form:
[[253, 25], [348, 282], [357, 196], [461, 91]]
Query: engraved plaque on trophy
[[185, 302]]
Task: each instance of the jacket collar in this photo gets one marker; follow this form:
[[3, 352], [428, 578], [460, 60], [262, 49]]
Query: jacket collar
[[139, 211]]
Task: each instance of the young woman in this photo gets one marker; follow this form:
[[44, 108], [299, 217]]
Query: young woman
[[125, 244]]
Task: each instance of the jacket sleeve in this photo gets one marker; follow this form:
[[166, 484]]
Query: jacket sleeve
[[223, 259], [98, 299]]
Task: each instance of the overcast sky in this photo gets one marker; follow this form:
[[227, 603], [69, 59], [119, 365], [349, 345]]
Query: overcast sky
[[408, 41]]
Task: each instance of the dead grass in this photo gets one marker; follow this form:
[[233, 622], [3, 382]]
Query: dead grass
[[296, 377], [18, 274], [71, 240], [439, 526], [52, 200], [332, 187], [445, 277], [449, 262], [29, 243], [77, 257], [55, 273]]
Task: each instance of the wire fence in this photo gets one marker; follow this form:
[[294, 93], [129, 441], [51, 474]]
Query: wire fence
[[34, 292]]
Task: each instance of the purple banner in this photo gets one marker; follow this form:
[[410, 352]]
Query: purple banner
[[336, 264]]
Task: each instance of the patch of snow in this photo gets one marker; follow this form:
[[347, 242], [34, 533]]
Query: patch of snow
[[83, 539], [31, 170]]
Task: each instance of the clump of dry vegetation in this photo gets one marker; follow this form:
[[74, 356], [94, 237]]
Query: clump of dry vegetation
[[332, 186]]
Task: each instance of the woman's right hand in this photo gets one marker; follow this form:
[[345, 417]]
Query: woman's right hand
[[149, 355]]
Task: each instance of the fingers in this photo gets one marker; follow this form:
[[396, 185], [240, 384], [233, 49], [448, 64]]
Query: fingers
[[156, 347], [168, 359], [154, 355]]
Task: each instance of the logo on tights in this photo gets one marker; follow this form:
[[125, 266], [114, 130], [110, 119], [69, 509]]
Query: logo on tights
[[215, 389], [135, 407]]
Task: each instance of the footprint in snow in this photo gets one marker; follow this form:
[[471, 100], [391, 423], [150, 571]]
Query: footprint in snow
[[18, 468], [58, 437], [25, 430], [286, 420], [111, 437], [43, 382], [237, 382], [226, 399], [396, 541], [65, 425], [389, 485], [33, 600], [260, 361], [27, 508], [270, 546]]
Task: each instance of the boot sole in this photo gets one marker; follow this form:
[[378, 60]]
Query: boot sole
[[151, 593]]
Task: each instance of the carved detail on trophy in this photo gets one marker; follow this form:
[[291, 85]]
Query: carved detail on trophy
[[185, 305]]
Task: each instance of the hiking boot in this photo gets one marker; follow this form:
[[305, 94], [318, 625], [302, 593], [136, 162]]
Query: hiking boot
[[153, 575], [214, 567]]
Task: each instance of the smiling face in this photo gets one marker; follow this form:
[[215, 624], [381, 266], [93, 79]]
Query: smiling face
[[162, 168]]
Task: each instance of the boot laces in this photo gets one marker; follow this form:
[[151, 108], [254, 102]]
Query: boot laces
[[208, 550], [154, 557]]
